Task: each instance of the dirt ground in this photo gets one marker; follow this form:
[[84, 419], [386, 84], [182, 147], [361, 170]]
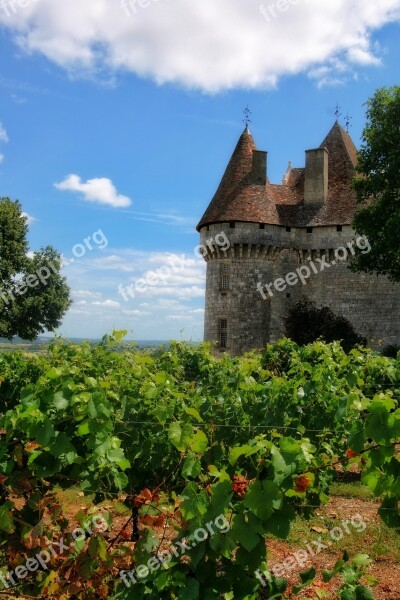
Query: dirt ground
[[385, 569]]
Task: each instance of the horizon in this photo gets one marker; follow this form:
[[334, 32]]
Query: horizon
[[116, 138]]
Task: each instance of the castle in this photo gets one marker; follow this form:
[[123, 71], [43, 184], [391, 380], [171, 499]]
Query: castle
[[287, 243]]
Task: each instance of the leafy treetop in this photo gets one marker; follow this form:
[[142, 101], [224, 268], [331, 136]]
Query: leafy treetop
[[377, 185]]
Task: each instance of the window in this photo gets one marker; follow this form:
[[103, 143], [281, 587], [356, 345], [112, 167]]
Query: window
[[262, 226], [288, 229], [232, 225], [223, 333], [309, 229], [339, 228], [225, 279]]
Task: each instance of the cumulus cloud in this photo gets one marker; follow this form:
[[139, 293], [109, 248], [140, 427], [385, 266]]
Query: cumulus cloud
[[183, 293], [136, 313], [180, 318], [167, 275], [207, 45], [100, 190], [86, 294], [170, 296], [107, 304], [29, 218]]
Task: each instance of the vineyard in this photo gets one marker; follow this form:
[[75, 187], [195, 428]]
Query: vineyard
[[206, 458]]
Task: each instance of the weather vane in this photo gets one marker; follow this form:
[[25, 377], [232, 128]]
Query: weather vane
[[337, 112], [247, 115], [348, 122]]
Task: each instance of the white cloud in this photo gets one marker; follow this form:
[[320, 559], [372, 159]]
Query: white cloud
[[136, 313], [170, 275], [179, 293], [207, 45], [29, 218], [1, 158], [3, 134], [86, 294], [107, 304], [100, 190], [180, 318], [183, 293]]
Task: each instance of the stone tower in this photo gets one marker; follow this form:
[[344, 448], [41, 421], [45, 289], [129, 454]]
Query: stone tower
[[288, 242]]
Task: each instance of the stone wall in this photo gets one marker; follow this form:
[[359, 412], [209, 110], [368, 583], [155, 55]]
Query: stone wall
[[261, 256]]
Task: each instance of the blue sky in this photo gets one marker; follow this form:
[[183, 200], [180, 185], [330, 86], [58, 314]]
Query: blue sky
[[123, 120]]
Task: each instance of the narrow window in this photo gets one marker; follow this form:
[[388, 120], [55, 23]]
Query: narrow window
[[262, 226], [339, 228], [225, 279], [223, 333], [309, 229], [288, 229], [232, 225]]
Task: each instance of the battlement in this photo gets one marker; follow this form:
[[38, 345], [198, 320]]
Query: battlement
[[286, 243]]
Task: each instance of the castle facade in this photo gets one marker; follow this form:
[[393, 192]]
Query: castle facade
[[287, 243]]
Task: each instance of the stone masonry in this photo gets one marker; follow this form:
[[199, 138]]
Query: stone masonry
[[276, 230]]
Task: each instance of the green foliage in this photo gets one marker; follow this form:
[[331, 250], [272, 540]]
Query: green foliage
[[378, 185], [189, 439], [351, 573], [13, 242], [33, 294]]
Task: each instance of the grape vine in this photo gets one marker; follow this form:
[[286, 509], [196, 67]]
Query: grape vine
[[182, 439]]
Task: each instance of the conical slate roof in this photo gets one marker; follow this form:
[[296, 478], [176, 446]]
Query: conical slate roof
[[340, 145], [239, 199], [236, 177]]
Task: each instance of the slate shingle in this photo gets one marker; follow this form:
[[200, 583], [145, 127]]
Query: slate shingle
[[239, 199]]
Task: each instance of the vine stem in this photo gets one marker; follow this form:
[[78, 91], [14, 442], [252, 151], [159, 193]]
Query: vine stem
[[342, 460], [6, 593], [119, 533]]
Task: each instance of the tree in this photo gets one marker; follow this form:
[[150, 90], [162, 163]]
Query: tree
[[33, 295], [306, 323], [377, 186]]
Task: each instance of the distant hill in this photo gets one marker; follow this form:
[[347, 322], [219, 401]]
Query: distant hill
[[42, 341]]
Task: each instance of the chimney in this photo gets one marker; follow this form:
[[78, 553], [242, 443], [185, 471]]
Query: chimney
[[316, 179], [259, 175]]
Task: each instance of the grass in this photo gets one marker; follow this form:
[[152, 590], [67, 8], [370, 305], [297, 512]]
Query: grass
[[351, 490]]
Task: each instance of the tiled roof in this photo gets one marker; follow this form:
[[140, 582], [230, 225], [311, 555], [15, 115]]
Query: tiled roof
[[239, 199]]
